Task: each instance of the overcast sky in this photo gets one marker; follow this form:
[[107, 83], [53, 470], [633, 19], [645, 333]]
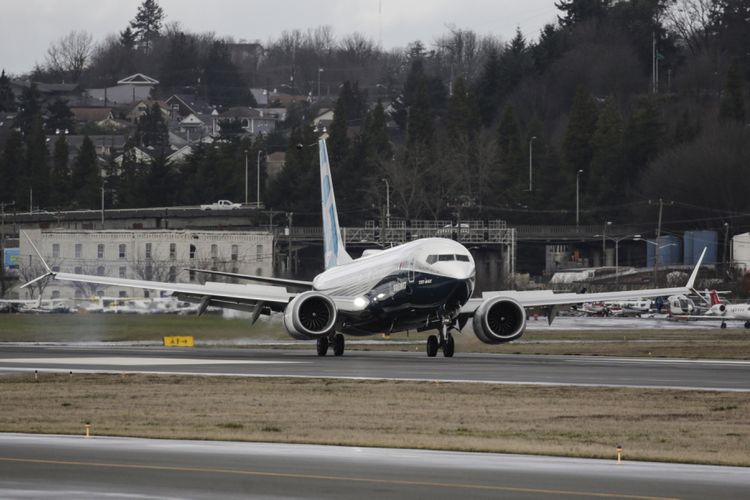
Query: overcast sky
[[27, 27]]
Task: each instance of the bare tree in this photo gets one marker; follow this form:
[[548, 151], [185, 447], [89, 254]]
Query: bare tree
[[69, 55], [691, 19], [30, 271]]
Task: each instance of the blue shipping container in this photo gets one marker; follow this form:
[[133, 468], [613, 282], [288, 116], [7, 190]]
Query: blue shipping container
[[669, 248], [12, 258], [695, 242]]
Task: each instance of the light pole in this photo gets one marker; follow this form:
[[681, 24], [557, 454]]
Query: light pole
[[387, 202], [531, 155], [604, 242], [578, 183], [246, 177], [257, 181], [2, 245], [637, 237], [320, 70]]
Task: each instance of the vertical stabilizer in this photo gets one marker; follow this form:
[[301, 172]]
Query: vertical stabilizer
[[333, 245], [715, 298]]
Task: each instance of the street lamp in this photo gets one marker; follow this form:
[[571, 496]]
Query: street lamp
[[246, 177], [320, 70], [531, 155], [257, 180], [637, 237], [604, 241], [578, 179], [387, 202]]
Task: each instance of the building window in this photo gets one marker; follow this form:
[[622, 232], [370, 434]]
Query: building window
[[55, 250], [79, 294], [259, 252], [146, 294], [79, 250], [55, 269], [55, 294], [192, 251], [121, 251], [214, 251], [148, 250], [172, 274], [122, 272], [259, 272], [173, 251], [100, 251], [78, 270], [149, 272], [100, 271], [235, 253], [123, 294], [100, 293], [191, 275]]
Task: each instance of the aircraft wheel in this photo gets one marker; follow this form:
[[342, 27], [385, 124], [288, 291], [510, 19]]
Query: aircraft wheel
[[338, 344], [747, 324], [449, 347], [322, 346], [432, 346], [723, 324]]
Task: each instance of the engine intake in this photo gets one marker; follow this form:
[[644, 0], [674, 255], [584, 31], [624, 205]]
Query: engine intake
[[499, 320], [310, 315]]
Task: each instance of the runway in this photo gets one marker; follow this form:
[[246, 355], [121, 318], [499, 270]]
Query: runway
[[464, 367], [65, 467]]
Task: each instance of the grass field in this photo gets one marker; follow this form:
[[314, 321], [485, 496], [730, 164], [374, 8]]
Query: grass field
[[732, 343], [684, 426]]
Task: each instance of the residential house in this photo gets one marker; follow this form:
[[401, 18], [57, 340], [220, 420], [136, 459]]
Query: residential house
[[130, 89], [323, 120], [253, 121], [49, 92], [139, 109]]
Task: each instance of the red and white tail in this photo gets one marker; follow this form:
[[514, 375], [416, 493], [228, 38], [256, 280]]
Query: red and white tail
[[715, 298]]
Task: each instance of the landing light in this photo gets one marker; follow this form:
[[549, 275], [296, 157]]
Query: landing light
[[361, 302]]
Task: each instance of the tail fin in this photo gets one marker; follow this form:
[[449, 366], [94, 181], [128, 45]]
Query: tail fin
[[715, 298], [333, 245]]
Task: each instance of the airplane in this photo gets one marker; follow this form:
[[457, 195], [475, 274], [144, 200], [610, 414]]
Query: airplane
[[423, 285], [718, 311]]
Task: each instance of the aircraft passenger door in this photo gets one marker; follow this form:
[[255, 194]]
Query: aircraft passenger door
[[411, 273]]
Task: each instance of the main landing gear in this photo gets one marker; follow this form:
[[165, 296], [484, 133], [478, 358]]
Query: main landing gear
[[336, 340], [444, 340]]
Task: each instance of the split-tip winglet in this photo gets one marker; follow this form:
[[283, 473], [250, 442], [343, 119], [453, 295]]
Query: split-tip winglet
[[44, 263], [694, 275]]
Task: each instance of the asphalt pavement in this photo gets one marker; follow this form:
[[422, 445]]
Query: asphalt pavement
[[464, 367], [66, 467]]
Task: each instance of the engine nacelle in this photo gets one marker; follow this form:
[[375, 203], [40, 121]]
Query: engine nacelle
[[310, 315], [499, 320]]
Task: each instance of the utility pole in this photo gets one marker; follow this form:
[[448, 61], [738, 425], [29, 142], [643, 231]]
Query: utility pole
[[246, 177], [2, 245], [604, 242], [658, 235], [531, 155], [578, 177], [289, 216], [257, 181]]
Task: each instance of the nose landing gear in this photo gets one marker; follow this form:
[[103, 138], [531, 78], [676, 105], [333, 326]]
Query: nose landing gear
[[444, 340]]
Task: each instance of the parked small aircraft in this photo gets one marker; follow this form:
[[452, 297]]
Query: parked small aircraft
[[422, 285]]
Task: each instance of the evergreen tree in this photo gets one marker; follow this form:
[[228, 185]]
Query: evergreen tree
[[61, 118], [127, 38], [29, 107], [147, 24], [607, 172], [7, 99], [60, 176], [85, 176], [152, 131], [643, 135], [181, 65], [732, 100], [223, 84], [376, 133], [338, 143], [159, 183], [487, 85], [576, 147], [577, 11], [686, 129], [510, 154], [463, 111], [549, 48], [12, 160], [515, 63], [37, 162], [419, 127]]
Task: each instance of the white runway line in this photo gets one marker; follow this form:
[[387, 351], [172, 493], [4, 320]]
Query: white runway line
[[138, 361]]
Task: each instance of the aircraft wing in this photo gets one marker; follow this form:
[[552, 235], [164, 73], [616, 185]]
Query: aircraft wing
[[547, 298], [213, 293]]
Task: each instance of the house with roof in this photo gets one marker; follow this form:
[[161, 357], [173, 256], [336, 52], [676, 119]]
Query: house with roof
[[323, 120], [133, 88], [253, 121], [49, 92], [140, 107], [180, 155], [136, 154], [182, 105]]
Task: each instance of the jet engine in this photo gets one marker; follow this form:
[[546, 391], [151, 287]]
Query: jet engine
[[310, 315], [499, 320]]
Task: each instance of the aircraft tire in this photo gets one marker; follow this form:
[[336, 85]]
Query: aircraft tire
[[723, 324], [322, 346], [449, 347], [432, 346], [338, 344], [747, 324]]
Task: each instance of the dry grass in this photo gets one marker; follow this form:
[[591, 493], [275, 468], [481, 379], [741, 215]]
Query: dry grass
[[686, 426]]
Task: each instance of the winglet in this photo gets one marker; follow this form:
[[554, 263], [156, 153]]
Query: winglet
[[691, 281], [37, 252]]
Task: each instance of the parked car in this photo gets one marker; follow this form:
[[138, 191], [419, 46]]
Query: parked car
[[221, 205]]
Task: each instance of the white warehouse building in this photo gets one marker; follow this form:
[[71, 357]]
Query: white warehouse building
[[142, 254]]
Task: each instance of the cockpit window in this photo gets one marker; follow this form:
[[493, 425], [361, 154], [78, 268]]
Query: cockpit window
[[446, 257], [462, 258], [431, 259]]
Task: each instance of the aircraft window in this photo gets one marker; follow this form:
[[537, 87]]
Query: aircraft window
[[462, 258], [445, 258], [431, 259]]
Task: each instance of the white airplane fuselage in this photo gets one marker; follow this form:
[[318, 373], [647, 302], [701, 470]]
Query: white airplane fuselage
[[404, 287]]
